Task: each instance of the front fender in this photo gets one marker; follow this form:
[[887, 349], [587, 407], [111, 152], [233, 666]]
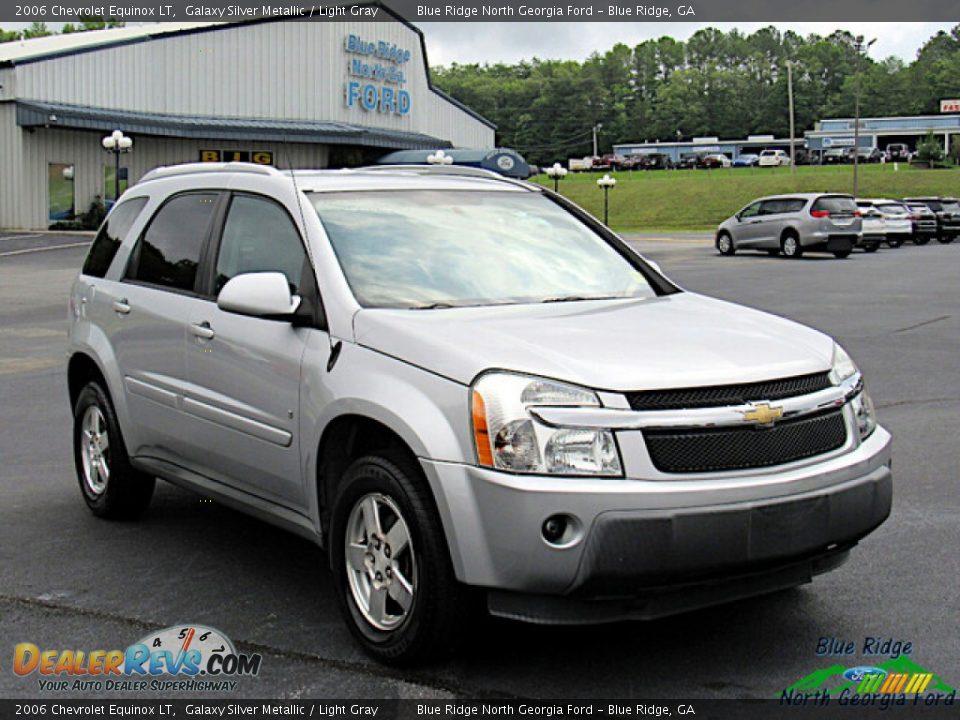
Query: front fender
[[428, 412]]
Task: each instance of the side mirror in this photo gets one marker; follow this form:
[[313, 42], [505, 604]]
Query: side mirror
[[261, 294], [654, 265]]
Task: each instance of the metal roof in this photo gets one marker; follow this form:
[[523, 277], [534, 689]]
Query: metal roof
[[53, 45], [32, 113]]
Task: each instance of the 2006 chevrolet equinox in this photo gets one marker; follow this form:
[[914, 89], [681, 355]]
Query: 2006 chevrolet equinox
[[462, 387]]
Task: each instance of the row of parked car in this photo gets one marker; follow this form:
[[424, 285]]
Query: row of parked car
[[837, 223]]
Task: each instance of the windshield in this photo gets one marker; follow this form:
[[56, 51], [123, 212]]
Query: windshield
[[950, 205], [426, 249], [835, 204]]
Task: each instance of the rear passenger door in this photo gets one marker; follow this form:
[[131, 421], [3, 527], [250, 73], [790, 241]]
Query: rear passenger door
[[148, 314], [244, 371]]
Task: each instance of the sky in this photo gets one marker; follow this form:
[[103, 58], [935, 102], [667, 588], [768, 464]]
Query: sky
[[473, 42], [509, 42]]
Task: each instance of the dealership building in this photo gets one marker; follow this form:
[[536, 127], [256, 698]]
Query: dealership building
[[302, 94]]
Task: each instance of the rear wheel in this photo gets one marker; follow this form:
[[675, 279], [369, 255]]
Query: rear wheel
[[945, 239], [871, 247], [111, 487], [921, 239], [790, 245], [841, 254], [394, 578], [895, 243], [725, 244]]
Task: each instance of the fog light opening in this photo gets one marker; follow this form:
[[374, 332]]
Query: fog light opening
[[561, 530]]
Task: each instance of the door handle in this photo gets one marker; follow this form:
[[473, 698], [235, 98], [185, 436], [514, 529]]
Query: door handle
[[756, 222], [121, 307], [202, 330]]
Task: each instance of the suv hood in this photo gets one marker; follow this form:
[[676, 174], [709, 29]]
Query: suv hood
[[679, 340]]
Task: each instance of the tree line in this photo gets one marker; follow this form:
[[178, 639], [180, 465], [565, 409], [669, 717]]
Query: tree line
[[726, 84]]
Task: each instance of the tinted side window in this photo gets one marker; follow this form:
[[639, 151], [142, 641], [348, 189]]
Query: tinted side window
[[750, 210], [170, 248], [771, 207], [793, 206], [112, 232], [259, 236]]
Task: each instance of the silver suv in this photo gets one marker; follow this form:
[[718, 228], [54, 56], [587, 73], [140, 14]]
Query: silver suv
[[464, 388], [793, 225]]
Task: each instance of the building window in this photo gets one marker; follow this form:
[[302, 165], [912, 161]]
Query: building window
[[60, 192]]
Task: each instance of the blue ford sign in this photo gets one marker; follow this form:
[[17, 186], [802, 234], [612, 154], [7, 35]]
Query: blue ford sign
[[376, 76]]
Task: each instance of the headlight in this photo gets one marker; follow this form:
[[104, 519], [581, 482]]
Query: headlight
[[866, 416], [843, 365], [508, 437]]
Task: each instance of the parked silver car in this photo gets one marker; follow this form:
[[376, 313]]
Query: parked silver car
[[463, 387], [897, 219], [793, 225]]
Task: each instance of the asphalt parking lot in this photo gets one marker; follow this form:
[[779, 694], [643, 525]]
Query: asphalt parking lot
[[68, 580]]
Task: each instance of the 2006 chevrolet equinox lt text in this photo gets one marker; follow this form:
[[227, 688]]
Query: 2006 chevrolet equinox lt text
[[464, 388]]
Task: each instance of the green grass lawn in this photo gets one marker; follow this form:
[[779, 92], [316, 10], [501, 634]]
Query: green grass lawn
[[673, 200]]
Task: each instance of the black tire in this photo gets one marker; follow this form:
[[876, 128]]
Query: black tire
[[124, 493], [793, 250], [944, 239], [841, 254], [921, 239], [441, 607], [773, 253], [870, 247], [895, 243], [724, 244]]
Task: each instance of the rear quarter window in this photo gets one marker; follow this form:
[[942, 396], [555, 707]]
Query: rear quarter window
[[110, 236]]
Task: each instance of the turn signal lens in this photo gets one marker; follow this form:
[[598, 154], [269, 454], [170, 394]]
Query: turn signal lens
[[481, 435]]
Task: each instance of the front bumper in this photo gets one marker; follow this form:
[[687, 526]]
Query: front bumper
[[760, 531]]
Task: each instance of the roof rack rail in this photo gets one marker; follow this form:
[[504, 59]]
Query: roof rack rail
[[165, 171], [458, 170]]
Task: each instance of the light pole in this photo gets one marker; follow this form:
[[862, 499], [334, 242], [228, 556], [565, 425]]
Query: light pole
[[596, 150], [556, 173], [861, 51], [793, 132], [117, 143], [606, 183]]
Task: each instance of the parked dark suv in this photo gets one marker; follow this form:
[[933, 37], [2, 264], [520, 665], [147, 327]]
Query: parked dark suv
[[947, 210], [924, 222]]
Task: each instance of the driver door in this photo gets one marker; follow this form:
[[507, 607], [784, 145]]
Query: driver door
[[244, 372], [750, 226]]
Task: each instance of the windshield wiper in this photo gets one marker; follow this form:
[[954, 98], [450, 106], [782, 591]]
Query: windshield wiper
[[431, 306], [580, 298]]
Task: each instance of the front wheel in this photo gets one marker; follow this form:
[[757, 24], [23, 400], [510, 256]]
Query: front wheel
[[391, 567], [921, 239], [870, 248], [895, 243], [841, 254], [944, 239], [111, 487], [725, 244]]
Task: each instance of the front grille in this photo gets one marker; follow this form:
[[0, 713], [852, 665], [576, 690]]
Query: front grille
[[740, 448], [701, 397]]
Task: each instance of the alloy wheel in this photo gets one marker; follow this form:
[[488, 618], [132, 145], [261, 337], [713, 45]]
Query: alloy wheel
[[380, 562]]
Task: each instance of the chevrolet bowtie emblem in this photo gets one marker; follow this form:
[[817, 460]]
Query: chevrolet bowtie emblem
[[763, 414]]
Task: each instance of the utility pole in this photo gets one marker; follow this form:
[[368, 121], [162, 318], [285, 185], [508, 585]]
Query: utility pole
[[596, 127], [861, 51], [793, 152]]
